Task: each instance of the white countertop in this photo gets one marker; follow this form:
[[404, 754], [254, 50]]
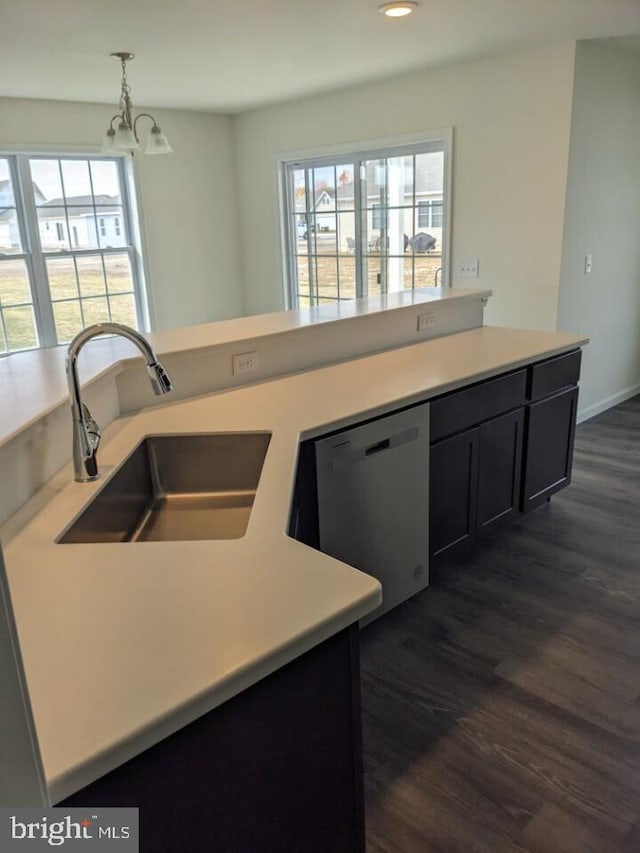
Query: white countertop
[[125, 643]]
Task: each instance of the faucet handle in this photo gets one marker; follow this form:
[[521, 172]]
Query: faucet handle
[[91, 432]]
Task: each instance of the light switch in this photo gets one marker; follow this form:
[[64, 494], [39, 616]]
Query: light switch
[[468, 269]]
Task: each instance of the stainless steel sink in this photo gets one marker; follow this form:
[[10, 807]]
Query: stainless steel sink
[[177, 487]]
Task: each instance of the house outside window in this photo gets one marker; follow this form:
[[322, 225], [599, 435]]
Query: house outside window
[[366, 222], [59, 271]]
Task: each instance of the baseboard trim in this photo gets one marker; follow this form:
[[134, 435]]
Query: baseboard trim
[[607, 403]]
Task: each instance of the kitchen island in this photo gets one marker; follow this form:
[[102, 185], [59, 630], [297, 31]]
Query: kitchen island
[[126, 644]]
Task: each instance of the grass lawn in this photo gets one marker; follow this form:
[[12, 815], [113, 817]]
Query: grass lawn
[[78, 299], [81, 296], [329, 271]]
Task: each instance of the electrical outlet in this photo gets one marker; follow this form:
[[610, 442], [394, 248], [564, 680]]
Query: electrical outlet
[[426, 321], [245, 362], [468, 269]]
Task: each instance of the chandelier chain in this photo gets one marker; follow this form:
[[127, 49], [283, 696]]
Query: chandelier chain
[[125, 95]]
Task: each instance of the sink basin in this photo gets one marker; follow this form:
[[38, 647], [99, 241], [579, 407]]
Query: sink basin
[[177, 487]]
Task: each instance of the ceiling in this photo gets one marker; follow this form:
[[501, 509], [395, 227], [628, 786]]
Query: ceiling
[[232, 55]]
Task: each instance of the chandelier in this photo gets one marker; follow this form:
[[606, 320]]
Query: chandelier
[[124, 137]]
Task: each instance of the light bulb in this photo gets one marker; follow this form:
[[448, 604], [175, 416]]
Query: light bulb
[[399, 9], [125, 140], [157, 143]]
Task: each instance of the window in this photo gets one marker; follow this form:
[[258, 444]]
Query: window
[[58, 272], [378, 217], [430, 213], [366, 223]]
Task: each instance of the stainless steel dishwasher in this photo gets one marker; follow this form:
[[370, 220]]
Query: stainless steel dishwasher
[[373, 501]]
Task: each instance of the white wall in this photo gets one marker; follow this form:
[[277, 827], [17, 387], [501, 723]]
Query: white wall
[[511, 119], [188, 201], [603, 219], [210, 211]]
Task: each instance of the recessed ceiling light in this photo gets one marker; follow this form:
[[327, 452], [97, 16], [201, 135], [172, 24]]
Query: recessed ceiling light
[[398, 8]]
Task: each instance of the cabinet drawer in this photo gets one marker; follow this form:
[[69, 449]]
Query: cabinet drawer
[[553, 375], [471, 406]]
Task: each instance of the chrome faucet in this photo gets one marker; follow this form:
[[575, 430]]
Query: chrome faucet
[[86, 432]]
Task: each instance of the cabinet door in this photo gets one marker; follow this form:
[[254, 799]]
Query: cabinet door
[[549, 446], [276, 768], [500, 467], [452, 492]]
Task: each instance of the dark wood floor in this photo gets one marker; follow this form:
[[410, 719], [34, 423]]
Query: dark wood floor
[[502, 705]]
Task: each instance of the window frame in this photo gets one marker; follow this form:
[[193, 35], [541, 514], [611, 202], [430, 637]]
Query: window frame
[[34, 256], [386, 147]]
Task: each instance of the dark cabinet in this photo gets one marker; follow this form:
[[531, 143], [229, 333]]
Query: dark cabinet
[[552, 396], [549, 449], [453, 483], [303, 520], [499, 448], [278, 767], [500, 468], [475, 482], [476, 461]]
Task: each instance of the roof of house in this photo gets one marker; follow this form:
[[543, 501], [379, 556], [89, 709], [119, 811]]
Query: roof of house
[[81, 205], [5, 184]]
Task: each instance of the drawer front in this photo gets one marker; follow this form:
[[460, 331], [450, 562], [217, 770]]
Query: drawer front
[[553, 375], [471, 406]]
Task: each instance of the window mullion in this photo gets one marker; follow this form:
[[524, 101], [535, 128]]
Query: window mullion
[[313, 296], [290, 239], [414, 214], [360, 230], [133, 239], [36, 262]]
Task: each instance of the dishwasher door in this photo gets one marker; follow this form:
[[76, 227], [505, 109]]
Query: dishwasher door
[[373, 501]]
